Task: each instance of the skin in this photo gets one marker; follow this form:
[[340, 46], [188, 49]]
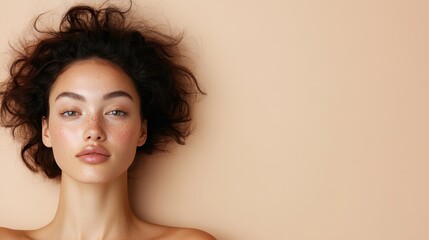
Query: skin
[[93, 103]]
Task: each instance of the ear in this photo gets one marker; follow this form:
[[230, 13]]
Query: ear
[[46, 139], [143, 134]]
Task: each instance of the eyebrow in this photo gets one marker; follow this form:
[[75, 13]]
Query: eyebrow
[[116, 94], [106, 96], [70, 95]]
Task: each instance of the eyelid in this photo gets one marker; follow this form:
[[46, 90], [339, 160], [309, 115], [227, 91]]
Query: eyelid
[[67, 112], [119, 113]]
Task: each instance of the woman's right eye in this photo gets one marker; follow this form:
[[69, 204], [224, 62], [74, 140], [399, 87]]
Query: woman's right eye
[[69, 113]]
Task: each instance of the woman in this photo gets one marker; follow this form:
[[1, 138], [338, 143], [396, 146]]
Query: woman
[[84, 100]]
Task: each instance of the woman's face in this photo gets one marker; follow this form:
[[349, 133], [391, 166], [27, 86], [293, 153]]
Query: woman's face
[[94, 125]]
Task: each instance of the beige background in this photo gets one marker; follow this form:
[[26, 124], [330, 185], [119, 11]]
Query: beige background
[[315, 126]]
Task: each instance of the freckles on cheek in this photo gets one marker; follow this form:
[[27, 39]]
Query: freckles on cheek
[[64, 134], [126, 134], [123, 136]]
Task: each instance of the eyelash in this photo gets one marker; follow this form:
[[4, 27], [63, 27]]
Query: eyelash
[[118, 113], [69, 113], [74, 113]]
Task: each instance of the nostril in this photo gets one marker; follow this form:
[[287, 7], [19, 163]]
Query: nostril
[[93, 137]]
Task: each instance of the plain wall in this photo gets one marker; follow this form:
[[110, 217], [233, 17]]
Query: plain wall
[[315, 125]]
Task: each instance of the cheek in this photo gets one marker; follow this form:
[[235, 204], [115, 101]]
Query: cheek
[[65, 143], [126, 134], [62, 134]]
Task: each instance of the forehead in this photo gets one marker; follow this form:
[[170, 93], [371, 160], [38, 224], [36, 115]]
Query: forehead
[[93, 77]]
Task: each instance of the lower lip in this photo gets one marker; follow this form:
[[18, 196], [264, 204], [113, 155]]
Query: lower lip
[[93, 158]]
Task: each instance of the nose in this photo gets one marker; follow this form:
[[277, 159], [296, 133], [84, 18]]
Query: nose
[[94, 130]]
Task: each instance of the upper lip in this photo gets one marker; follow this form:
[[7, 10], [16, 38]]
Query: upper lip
[[90, 150]]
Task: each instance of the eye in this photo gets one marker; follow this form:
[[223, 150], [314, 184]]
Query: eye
[[69, 113], [117, 113]]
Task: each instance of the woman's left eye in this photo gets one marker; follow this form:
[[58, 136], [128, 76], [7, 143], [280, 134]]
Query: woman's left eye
[[69, 113], [117, 113]]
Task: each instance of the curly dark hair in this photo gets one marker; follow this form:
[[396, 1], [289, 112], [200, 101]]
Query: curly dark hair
[[152, 59]]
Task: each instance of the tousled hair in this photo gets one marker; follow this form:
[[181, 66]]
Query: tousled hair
[[166, 87]]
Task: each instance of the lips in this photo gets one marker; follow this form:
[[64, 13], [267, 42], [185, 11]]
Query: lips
[[93, 154]]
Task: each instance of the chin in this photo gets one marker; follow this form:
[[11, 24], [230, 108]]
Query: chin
[[94, 177]]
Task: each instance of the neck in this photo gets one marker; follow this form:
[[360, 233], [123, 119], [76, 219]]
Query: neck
[[93, 210]]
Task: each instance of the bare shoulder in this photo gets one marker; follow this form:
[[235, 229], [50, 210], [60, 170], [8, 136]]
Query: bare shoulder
[[157, 231], [178, 233], [192, 234], [11, 234]]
